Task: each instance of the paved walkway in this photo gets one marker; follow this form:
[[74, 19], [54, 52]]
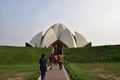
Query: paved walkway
[[56, 74]]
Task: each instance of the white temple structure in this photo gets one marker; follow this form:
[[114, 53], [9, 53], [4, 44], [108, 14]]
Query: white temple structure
[[58, 34]]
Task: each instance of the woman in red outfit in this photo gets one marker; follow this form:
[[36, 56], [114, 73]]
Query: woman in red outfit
[[51, 58]]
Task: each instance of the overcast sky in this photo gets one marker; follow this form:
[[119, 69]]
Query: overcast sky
[[97, 20]]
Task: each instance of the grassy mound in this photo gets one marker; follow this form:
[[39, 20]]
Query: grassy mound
[[93, 63], [20, 63], [93, 54], [21, 55]]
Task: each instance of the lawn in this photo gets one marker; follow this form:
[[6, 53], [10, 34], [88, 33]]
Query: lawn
[[20, 63], [92, 63], [94, 71], [17, 72]]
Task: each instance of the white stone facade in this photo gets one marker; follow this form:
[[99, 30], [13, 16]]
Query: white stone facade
[[59, 32]]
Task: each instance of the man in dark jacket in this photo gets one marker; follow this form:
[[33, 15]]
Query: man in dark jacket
[[43, 63]]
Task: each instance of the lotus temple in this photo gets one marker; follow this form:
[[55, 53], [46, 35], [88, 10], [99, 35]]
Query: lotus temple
[[58, 34]]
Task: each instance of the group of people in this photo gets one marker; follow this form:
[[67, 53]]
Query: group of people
[[56, 57]]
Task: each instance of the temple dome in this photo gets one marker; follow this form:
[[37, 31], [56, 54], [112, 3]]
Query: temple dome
[[61, 35]]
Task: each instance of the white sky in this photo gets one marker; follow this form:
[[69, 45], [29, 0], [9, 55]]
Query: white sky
[[97, 20]]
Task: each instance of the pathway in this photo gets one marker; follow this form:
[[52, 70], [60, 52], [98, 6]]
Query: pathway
[[56, 74]]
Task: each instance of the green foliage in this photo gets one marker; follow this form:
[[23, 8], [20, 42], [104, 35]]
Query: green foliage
[[21, 55], [33, 76], [72, 74], [93, 54], [20, 62], [12, 72], [93, 71], [15, 60], [80, 61], [76, 74]]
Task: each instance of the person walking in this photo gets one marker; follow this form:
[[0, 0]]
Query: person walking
[[60, 50], [56, 59], [43, 66], [60, 60], [51, 58]]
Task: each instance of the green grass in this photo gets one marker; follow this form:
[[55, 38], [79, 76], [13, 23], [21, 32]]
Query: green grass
[[81, 62], [20, 62], [21, 55], [94, 71], [15, 72], [93, 54]]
